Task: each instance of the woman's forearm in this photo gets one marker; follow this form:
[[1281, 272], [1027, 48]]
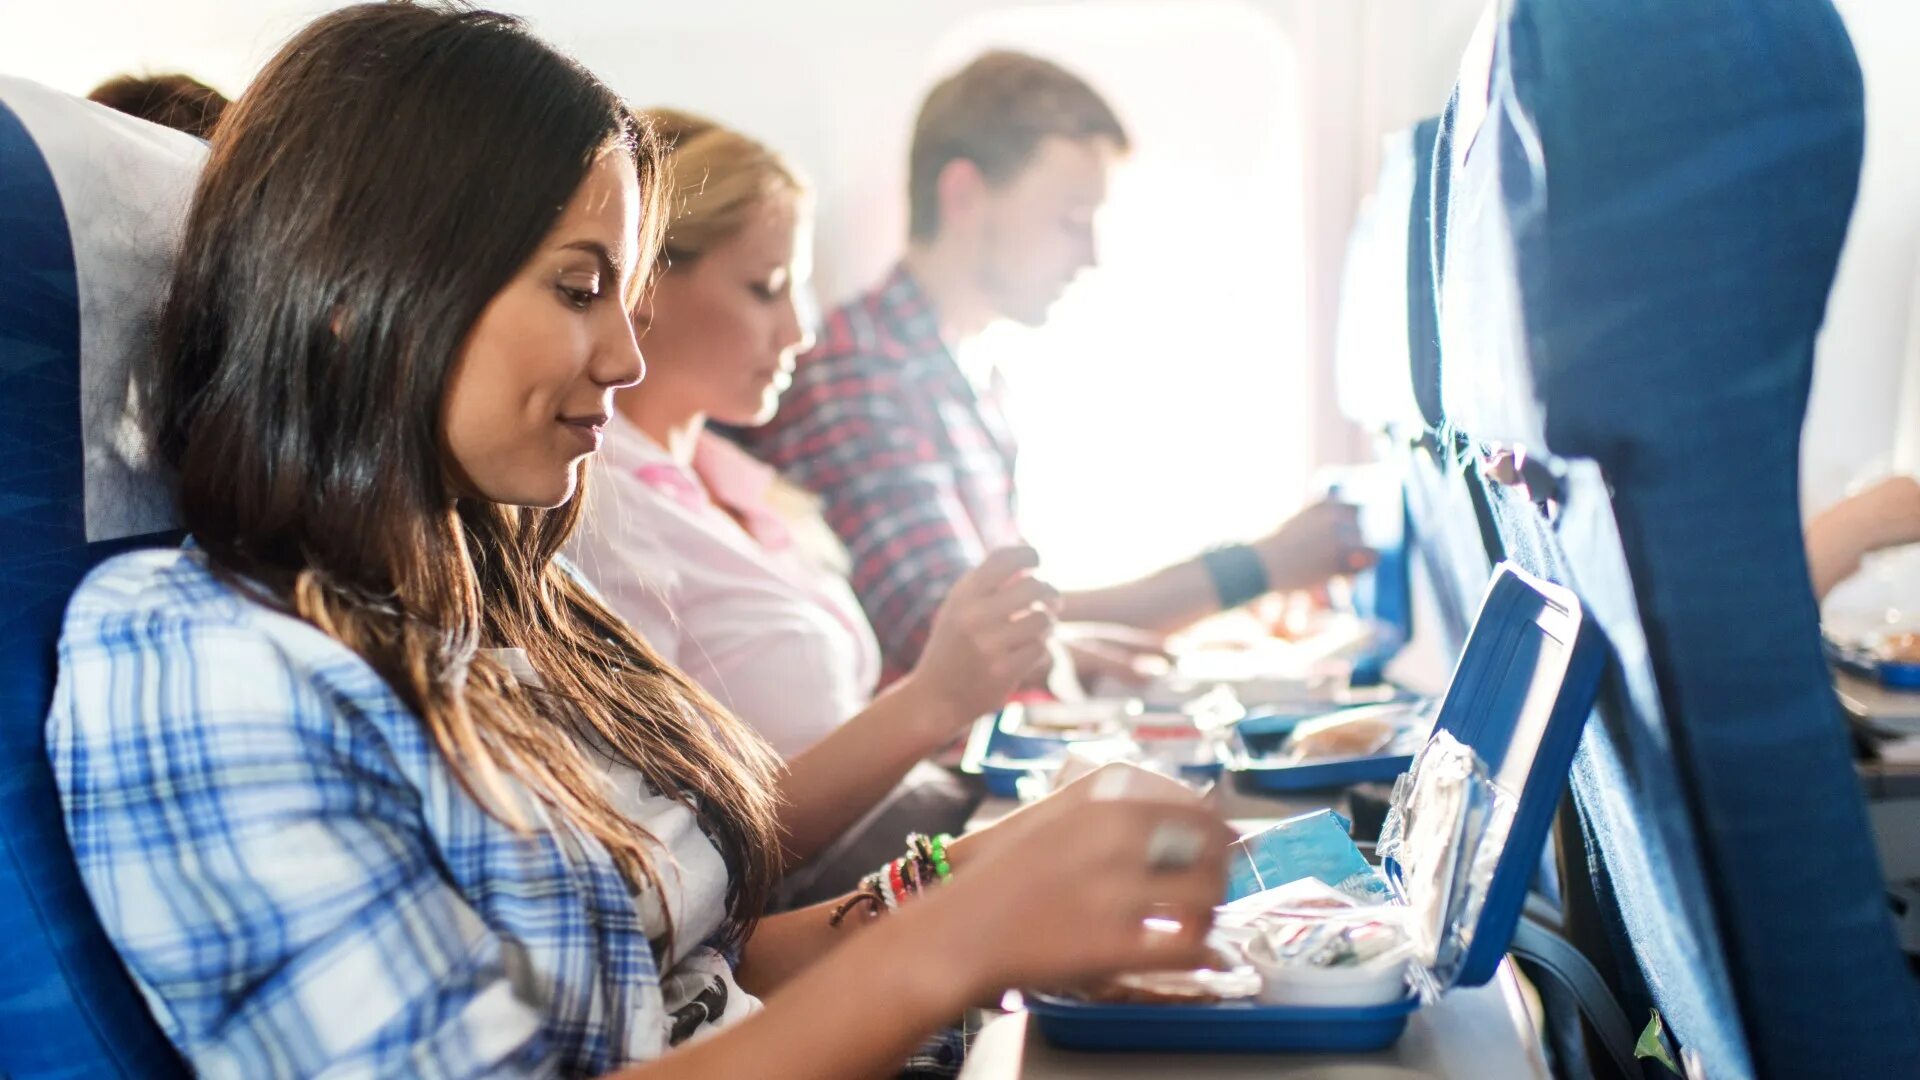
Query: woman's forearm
[[829, 786], [786, 944], [857, 1012]]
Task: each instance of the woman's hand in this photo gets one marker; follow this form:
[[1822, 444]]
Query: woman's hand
[[1064, 897], [1320, 542], [1107, 782], [988, 637]]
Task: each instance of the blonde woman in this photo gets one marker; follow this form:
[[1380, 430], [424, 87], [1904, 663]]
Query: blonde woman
[[728, 572]]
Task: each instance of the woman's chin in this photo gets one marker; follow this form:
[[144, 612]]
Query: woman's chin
[[756, 414], [541, 494]]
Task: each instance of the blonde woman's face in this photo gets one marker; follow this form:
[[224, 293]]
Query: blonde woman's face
[[722, 333], [533, 388]]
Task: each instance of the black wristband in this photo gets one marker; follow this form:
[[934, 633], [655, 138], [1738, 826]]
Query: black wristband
[[1238, 576]]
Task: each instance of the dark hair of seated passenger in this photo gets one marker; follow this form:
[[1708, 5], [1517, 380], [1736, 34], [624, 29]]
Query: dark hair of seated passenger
[[380, 182], [181, 102]]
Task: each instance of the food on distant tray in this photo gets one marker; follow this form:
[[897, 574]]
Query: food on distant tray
[[1901, 648], [1354, 733], [1077, 719]]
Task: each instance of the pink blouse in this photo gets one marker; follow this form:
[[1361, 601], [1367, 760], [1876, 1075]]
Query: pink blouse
[[776, 637]]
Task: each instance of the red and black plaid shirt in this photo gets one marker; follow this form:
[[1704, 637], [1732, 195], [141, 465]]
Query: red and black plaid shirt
[[915, 466]]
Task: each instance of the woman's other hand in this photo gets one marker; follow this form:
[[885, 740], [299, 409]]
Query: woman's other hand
[[989, 636]]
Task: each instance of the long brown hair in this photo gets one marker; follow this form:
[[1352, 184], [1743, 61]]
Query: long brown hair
[[388, 172]]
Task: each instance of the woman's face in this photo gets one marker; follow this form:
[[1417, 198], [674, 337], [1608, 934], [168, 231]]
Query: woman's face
[[722, 333], [533, 387]]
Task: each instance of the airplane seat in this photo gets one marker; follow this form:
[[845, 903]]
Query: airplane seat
[[91, 207], [1639, 209], [1440, 506], [1372, 392]]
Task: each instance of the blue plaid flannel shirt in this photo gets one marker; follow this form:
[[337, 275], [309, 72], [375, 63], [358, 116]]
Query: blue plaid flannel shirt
[[293, 874]]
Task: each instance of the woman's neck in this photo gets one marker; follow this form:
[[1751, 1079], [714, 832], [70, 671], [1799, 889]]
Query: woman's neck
[[677, 430]]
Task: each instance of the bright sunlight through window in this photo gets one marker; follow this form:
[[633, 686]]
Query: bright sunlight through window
[[1162, 409]]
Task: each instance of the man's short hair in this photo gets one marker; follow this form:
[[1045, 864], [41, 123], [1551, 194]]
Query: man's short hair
[[995, 112], [180, 102]]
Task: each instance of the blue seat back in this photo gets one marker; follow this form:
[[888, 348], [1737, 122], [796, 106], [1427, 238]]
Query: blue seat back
[[1639, 207], [91, 205], [1440, 506], [1431, 578]]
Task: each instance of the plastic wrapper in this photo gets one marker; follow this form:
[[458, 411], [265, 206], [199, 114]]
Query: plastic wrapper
[[1445, 831], [1311, 944], [1356, 937]]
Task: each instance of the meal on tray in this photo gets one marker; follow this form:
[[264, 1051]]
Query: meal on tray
[[1304, 943]]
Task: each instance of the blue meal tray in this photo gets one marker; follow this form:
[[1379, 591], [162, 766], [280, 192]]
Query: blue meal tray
[[1000, 757], [1256, 738], [1894, 676], [1252, 776], [1519, 697], [1234, 1027]]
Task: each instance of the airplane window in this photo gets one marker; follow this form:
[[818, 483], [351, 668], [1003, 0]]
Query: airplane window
[[1186, 346]]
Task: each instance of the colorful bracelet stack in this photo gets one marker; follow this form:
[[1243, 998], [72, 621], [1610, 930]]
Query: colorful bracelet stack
[[924, 865]]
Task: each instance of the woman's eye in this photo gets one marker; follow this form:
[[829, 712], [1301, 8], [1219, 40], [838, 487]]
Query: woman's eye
[[578, 298], [766, 291]]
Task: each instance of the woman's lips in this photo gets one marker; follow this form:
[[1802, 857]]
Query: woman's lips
[[588, 429]]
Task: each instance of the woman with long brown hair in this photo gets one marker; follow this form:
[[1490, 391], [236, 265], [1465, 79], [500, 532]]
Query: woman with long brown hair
[[363, 779]]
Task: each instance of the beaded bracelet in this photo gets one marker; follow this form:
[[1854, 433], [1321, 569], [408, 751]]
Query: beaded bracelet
[[939, 846], [897, 881], [868, 892], [931, 853], [884, 890]]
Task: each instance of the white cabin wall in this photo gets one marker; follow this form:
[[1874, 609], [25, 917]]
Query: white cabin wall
[[1859, 412], [834, 84]]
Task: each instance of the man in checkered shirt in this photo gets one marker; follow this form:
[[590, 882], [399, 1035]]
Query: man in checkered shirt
[[912, 454]]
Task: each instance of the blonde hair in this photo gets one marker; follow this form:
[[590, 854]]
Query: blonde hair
[[718, 178]]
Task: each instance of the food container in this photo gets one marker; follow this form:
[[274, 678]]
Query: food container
[[1465, 836]]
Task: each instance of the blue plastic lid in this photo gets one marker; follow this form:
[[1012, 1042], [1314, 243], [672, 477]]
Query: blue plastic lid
[[1519, 698]]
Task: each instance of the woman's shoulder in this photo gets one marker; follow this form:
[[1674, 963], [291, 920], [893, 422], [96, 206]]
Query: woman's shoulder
[[173, 585], [170, 603], [156, 583]]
